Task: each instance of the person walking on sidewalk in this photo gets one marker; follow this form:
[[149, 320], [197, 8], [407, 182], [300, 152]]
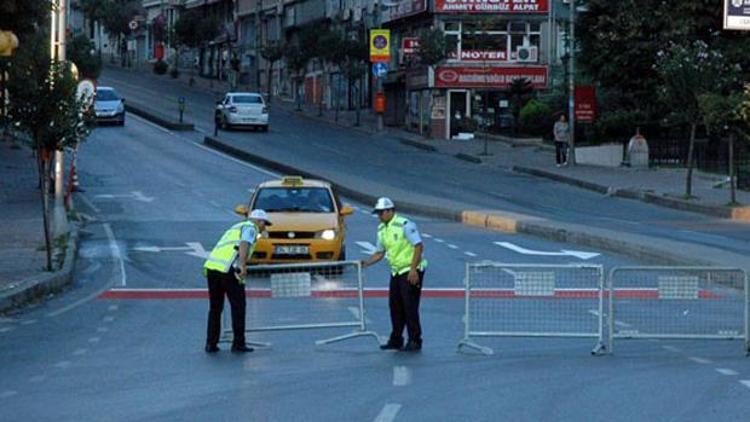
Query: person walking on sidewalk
[[400, 241], [561, 131], [226, 268]]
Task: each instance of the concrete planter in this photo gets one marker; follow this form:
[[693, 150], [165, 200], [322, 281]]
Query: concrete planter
[[609, 155]]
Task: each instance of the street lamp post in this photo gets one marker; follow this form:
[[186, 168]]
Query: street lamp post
[[57, 54], [572, 87]]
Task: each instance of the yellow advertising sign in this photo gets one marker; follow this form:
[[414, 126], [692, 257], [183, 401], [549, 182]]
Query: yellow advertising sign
[[380, 45]]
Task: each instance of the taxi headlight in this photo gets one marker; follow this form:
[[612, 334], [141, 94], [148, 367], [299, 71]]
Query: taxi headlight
[[328, 234]]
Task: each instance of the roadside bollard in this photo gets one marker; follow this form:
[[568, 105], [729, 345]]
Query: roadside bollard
[[181, 106]]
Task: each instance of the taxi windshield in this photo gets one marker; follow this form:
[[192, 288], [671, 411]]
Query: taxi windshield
[[295, 199]]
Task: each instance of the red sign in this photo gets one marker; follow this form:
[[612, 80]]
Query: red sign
[[407, 8], [585, 103], [488, 77], [491, 6], [480, 55], [409, 45]]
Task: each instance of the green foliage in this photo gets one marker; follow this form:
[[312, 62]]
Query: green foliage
[[519, 92], [192, 29], [433, 46], [80, 50], [117, 14], [23, 16], [536, 118], [44, 103], [160, 67]]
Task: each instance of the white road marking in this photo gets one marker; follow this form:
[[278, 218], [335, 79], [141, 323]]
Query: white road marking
[[595, 313], [37, 378], [78, 302], [108, 319], [389, 412], [94, 339], [6, 329], [230, 158], [6, 320], [116, 253], [401, 376], [63, 364], [452, 246], [367, 247], [355, 311], [79, 352], [7, 394], [700, 360], [438, 240], [746, 383], [112, 308], [726, 371], [564, 252], [89, 204], [671, 349], [28, 322], [102, 329], [471, 254], [427, 236]]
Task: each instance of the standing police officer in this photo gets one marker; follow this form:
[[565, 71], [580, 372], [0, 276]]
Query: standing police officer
[[400, 242], [226, 268]]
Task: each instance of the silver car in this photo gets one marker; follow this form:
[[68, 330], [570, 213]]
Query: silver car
[[109, 106], [242, 109]]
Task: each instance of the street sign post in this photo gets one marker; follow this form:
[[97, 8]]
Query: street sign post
[[379, 69]]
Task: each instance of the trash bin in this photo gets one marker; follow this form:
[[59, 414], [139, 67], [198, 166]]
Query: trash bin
[[637, 154]]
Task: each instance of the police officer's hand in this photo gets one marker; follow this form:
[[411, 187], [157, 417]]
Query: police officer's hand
[[413, 278], [363, 263], [242, 273]]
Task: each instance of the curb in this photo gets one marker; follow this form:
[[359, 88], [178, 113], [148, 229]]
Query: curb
[[169, 124], [739, 213], [37, 287], [469, 158], [418, 145], [508, 222]]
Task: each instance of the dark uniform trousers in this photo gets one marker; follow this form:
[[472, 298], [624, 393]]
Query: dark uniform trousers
[[403, 300], [220, 284]]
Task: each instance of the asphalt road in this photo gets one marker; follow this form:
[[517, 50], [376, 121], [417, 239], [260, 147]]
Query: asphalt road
[[342, 154], [86, 356]]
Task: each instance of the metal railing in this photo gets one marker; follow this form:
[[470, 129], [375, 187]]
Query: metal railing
[[530, 300], [305, 296]]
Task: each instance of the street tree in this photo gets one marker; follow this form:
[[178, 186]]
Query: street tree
[[687, 71], [192, 30], [44, 107], [116, 18], [520, 92], [433, 47], [271, 52], [94, 11], [80, 50], [356, 53]]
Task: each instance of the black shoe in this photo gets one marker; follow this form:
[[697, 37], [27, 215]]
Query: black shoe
[[241, 348], [412, 346], [390, 346], [212, 348]]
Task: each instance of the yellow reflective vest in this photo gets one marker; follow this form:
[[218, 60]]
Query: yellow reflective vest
[[225, 252], [397, 247]]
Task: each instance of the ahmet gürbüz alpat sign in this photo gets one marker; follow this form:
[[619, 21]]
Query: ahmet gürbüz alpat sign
[[491, 6], [737, 14]]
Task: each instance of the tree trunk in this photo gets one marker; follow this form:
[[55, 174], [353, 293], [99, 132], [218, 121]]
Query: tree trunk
[[43, 160], [732, 191], [338, 100], [689, 179], [268, 78], [358, 100]]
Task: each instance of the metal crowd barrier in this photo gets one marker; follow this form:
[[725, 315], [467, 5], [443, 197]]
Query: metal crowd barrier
[[303, 297], [530, 300], [678, 303]]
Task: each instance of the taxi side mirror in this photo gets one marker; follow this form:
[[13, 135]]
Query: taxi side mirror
[[346, 210], [241, 209]]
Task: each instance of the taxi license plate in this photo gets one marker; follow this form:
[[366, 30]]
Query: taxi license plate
[[291, 250]]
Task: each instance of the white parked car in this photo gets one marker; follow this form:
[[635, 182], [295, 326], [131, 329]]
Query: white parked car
[[242, 109], [109, 106]]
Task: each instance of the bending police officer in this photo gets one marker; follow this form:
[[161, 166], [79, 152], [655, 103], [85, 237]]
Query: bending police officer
[[400, 241], [225, 269]]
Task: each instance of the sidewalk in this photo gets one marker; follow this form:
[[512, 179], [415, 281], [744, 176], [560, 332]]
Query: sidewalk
[[22, 254]]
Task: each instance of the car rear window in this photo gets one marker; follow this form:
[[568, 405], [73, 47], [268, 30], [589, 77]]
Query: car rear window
[[294, 200], [107, 95], [247, 99]]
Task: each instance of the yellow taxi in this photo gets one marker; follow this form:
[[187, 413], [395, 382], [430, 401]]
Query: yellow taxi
[[307, 221]]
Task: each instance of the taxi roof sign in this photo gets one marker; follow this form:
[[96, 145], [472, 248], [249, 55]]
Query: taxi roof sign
[[292, 181]]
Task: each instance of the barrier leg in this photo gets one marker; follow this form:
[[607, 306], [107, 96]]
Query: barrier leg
[[351, 335], [470, 344]]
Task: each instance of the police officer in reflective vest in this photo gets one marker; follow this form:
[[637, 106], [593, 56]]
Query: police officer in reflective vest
[[400, 241], [226, 268]]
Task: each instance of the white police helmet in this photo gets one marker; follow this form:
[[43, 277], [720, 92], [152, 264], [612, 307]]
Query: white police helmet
[[383, 204], [259, 215]]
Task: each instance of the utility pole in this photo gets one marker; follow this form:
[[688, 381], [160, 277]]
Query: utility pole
[[572, 86], [57, 52]]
